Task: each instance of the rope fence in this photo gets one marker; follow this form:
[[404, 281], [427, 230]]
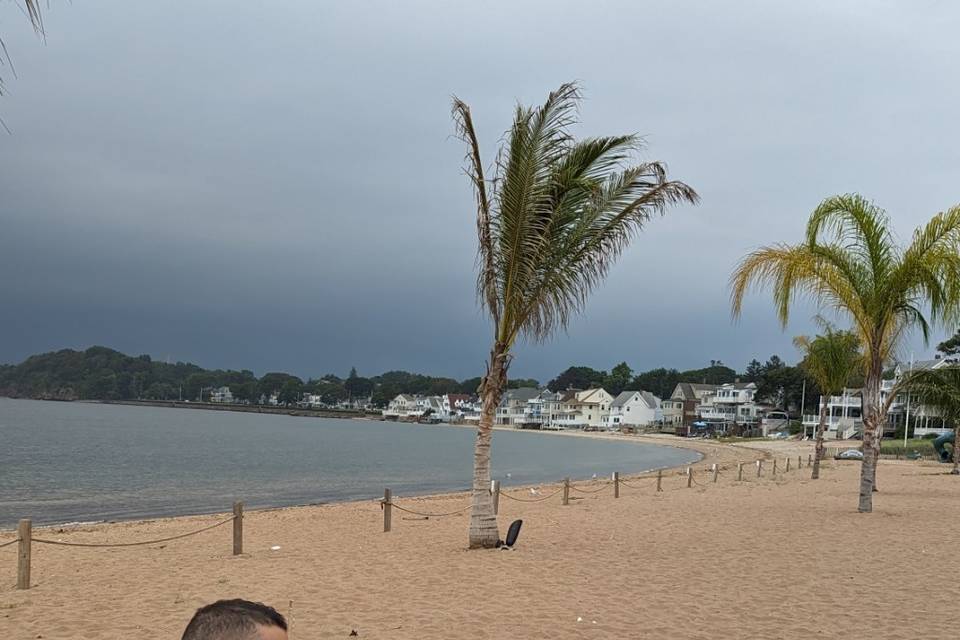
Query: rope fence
[[421, 513], [25, 541], [540, 499], [115, 545], [639, 483]]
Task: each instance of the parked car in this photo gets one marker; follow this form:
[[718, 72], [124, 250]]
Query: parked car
[[849, 454]]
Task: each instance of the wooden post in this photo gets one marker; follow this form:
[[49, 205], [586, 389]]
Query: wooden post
[[759, 467], [659, 479], [495, 490], [799, 462], [774, 472], [616, 484], [809, 459], [689, 477], [237, 528], [387, 510], [716, 471], [739, 471], [566, 491], [787, 465], [25, 533]]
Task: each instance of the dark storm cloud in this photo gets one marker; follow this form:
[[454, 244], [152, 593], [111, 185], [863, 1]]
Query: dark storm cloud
[[246, 187]]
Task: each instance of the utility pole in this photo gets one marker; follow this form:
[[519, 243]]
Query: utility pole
[[906, 424], [803, 404]]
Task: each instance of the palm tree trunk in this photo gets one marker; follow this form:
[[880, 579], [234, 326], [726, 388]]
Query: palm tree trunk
[[483, 523], [818, 448], [872, 422]]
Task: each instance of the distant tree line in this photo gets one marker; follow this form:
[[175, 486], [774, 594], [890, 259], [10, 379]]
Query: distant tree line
[[99, 373]]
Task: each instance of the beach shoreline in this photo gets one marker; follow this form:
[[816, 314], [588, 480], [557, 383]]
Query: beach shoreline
[[750, 558], [667, 441]]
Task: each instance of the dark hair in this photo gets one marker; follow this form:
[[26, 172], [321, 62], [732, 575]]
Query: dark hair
[[232, 620]]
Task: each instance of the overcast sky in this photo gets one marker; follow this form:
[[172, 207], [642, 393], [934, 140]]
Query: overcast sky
[[274, 186]]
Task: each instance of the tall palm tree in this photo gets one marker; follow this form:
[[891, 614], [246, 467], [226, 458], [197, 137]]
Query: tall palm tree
[[831, 360], [939, 389], [851, 263], [551, 222]]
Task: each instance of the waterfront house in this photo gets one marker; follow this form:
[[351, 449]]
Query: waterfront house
[[845, 411], [453, 406], [680, 410], [312, 400], [731, 404], [221, 395], [513, 406], [634, 409], [405, 405], [356, 404], [541, 408], [587, 409]]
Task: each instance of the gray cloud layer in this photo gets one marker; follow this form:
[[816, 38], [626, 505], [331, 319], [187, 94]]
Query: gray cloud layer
[[247, 186]]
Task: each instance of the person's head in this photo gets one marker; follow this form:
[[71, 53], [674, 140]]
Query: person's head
[[236, 620]]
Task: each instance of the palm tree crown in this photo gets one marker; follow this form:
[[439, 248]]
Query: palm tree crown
[[557, 213], [831, 359], [851, 263]]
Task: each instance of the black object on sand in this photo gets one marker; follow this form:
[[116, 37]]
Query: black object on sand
[[512, 534]]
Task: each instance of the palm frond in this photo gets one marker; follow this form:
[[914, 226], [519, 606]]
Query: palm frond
[[486, 278], [862, 227], [936, 388], [32, 10]]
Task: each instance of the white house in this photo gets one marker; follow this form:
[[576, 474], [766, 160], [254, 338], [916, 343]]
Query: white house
[[731, 403], [513, 406], [454, 406], [221, 394], [406, 405], [845, 411], [582, 409], [541, 408], [313, 400], [634, 409]]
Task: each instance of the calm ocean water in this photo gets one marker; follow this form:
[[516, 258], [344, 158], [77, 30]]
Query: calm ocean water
[[69, 462]]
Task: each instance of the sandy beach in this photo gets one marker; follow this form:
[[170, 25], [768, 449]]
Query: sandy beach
[[771, 557]]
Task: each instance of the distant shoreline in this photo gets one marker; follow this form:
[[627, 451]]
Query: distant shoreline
[[240, 408]]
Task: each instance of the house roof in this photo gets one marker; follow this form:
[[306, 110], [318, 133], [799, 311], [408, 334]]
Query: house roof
[[652, 401], [646, 397], [623, 398], [591, 395], [688, 390], [523, 394], [457, 397]]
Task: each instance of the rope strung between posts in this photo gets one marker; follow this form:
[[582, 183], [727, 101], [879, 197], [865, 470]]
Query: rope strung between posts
[[7, 544], [547, 497], [132, 544], [634, 486], [425, 515], [578, 489]]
